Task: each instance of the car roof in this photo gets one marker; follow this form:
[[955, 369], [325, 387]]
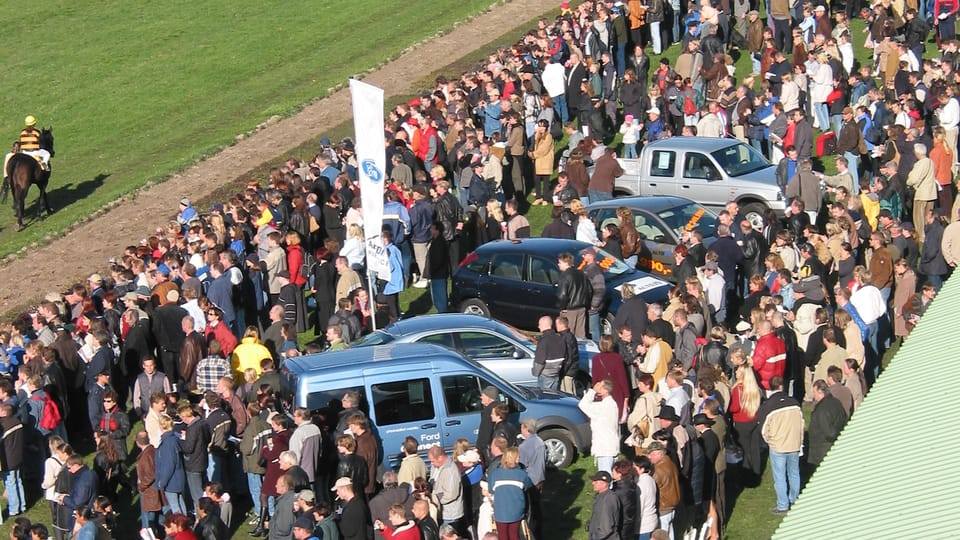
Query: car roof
[[356, 359], [538, 246], [441, 321], [653, 204], [704, 144]]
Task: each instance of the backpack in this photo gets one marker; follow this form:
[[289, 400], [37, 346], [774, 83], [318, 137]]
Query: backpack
[[556, 127], [345, 332], [306, 267], [689, 106], [50, 416]]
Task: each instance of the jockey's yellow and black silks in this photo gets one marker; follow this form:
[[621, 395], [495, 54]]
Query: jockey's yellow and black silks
[[29, 139]]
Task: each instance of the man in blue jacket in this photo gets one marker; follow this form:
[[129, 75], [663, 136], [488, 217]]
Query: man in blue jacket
[[83, 490], [171, 479], [421, 217]]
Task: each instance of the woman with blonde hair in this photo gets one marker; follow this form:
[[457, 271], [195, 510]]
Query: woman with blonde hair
[[774, 264], [353, 247], [586, 230], [495, 224], [852, 335], [942, 156], [745, 398]]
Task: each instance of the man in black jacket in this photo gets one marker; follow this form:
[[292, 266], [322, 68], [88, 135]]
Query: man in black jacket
[[549, 357], [421, 514], [209, 525], [826, 422], [449, 213], [571, 356], [573, 294], [599, 285], [607, 516], [194, 442]]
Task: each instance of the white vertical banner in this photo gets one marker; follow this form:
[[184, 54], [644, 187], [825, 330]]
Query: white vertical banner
[[372, 158]]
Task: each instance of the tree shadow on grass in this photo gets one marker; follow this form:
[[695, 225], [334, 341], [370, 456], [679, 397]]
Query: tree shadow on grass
[[561, 510]]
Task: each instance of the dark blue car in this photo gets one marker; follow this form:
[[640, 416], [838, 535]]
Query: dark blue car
[[516, 281]]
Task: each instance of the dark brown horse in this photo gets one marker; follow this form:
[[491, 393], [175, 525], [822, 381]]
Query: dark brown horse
[[23, 170]]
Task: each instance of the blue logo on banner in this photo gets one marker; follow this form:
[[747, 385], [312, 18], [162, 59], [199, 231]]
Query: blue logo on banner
[[371, 170]]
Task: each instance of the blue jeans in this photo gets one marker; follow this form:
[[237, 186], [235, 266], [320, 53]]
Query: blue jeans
[[254, 481], [560, 105], [853, 161], [629, 150], [438, 292], [406, 257], [593, 321], [755, 62], [836, 122], [195, 481], [597, 196], [621, 59], [215, 465], [174, 503], [786, 477], [550, 383], [147, 518], [13, 485], [822, 113]]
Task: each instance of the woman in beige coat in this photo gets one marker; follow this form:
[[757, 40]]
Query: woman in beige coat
[[906, 281], [542, 156]]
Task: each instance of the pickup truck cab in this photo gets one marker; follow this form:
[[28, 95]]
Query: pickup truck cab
[[711, 171]]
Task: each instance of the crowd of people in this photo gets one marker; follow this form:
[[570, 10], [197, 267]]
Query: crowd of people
[[189, 331]]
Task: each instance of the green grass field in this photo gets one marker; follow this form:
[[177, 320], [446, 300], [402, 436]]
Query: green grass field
[[139, 90]]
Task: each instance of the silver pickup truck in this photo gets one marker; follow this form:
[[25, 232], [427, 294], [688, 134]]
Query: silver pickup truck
[[711, 171]]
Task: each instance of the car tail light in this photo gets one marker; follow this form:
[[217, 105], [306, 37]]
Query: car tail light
[[472, 257]]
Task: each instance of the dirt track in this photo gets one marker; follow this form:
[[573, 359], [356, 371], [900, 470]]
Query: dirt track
[[87, 248]]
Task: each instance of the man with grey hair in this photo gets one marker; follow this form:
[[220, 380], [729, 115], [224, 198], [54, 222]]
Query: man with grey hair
[[923, 180], [307, 443], [392, 493], [447, 487]]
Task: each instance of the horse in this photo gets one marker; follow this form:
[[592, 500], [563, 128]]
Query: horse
[[23, 170]]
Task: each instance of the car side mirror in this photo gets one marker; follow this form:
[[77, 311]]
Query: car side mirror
[[518, 354]]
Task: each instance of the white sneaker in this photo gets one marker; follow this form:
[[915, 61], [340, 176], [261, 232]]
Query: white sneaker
[[422, 284]]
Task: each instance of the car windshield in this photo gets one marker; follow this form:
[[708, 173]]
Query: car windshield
[[690, 217], [526, 340], [740, 159], [611, 265], [376, 338]]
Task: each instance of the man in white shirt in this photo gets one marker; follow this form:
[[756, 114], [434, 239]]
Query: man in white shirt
[[599, 406], [554, 82]]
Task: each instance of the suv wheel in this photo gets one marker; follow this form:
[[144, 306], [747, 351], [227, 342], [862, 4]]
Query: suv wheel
[[753, 213], [474, 306], [560, 449]]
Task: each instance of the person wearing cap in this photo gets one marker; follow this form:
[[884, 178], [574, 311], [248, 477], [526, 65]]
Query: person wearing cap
[[715, 288], [303, 529], [186, 214], [630, 130], [606, 516], [654, 125], [667, 479]]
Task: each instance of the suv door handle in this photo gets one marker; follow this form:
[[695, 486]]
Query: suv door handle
[[685, 186], [453, 423], [428, 426]]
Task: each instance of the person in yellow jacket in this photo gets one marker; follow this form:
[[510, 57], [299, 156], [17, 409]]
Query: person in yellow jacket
[[248, 353], [30, 142]]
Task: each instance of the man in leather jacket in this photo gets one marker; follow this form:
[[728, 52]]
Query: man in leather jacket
[[450, 214], [574, 294]]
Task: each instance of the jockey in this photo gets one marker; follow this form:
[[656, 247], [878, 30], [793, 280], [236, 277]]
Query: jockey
[[30, 143]]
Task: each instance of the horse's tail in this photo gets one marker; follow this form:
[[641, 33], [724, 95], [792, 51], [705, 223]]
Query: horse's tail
[[5, 189]]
